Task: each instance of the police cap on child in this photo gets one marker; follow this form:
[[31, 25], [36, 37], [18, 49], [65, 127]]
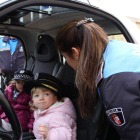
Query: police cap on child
[[45, 80]]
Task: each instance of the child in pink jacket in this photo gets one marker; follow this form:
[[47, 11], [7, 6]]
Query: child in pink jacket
[[55, 117], [19, 100]]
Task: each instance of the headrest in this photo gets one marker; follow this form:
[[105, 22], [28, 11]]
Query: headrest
[[45, 49]]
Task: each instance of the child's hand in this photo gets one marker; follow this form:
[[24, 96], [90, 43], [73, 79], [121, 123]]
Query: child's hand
[[13, 85], [43, 130]]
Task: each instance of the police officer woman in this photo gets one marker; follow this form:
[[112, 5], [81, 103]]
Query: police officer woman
[[111, 67]]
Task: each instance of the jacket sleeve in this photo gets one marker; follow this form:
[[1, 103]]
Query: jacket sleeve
[[60, 127], [21, 57], [20, 63], [9, 89], [31, 118], [31, 121]]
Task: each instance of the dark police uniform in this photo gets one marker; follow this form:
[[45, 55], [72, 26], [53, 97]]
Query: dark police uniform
[[119, 87], [11, 56]]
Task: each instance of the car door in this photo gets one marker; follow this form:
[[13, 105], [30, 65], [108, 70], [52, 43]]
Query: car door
[[30, 18]]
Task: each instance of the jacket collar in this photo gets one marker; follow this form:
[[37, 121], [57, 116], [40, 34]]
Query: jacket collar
[[100, 73], [6, 39]]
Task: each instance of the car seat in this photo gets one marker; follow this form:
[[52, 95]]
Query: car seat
[[31, 62], [94, 128], [47, 59]]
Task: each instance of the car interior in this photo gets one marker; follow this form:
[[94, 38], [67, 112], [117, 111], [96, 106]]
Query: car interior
[[36, 24]]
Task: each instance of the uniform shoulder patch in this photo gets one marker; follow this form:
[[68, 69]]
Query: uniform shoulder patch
[[21, 49], [36, 76], [116, 116]]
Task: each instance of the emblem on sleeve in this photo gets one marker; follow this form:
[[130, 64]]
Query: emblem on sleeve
[[116, 116], [22, 71], [36, 76], [21, 49]]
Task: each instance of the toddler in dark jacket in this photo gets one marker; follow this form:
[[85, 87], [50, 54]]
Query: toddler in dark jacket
[[19, 101]]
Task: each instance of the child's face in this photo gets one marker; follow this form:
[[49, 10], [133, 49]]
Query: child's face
[[19, 85], [43, 99]]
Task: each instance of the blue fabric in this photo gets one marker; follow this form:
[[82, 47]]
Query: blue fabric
[[13, 44], [3, 45], [121, 57], [6, 46], [1, 42], [10, 63]]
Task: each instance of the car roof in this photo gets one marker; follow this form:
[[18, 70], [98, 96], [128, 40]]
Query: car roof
[[62, 12]]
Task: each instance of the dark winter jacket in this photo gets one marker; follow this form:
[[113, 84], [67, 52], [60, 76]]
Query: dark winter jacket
[[9, 63], [21, 108], [119, 87]]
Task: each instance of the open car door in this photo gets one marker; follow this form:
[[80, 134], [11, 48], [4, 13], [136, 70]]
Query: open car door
[[49, 22]]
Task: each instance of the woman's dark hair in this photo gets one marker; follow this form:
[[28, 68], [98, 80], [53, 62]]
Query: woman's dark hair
[[92, 41]]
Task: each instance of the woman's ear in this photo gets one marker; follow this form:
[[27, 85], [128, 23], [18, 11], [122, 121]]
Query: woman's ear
[[76, 53]]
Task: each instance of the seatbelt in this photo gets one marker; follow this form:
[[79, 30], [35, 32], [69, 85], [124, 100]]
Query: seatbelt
[[31, 63]]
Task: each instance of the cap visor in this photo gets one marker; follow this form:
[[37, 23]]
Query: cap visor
[[29, 85]]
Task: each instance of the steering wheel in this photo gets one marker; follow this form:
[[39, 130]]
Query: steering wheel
[[16, 134]]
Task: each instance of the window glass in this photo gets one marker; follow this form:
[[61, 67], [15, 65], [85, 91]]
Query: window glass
[[3, 1], [12, 58], [117, 37], [28, 14]]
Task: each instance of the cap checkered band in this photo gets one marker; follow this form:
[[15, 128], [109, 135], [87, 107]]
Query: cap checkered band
[[22, 76]]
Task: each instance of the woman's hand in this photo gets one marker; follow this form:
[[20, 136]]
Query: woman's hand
[[43, 130]]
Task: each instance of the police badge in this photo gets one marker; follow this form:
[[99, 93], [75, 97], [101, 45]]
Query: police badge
[[22, 71], [21, 49], [36, 76], [116, 116]]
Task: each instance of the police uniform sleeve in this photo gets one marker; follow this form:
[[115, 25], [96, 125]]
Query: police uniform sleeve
[[120, 94]]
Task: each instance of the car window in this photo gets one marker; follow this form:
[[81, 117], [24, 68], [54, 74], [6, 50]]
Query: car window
[[52, 18], [28, 14], [119, 37], [47, 19], [12, 58], [4, 1]]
